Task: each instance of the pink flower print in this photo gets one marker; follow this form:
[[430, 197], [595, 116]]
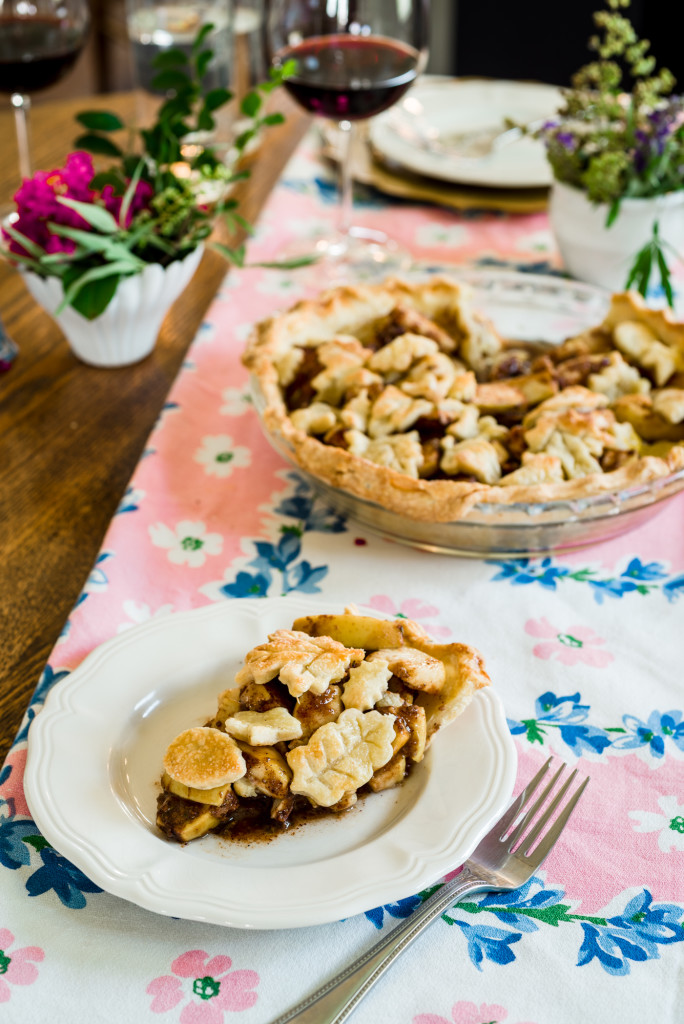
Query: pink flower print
[[12, 788], [208, 985], [467, 1013], [16, 966], [577, 645], [411, 608]]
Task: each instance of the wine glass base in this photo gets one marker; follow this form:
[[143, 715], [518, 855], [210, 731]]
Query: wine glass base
[[361, 254]]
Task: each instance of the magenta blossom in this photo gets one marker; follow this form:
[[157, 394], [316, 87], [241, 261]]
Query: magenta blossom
[[37, 204], [140, 201], [578, 645], [206, 986], [17, 966]]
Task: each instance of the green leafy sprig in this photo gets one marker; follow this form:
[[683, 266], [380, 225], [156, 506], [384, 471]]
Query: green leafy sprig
[[186, 183], [620, 132]]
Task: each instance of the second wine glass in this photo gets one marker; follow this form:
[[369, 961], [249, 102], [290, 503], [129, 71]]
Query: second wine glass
[[39, 43], [354, 59]]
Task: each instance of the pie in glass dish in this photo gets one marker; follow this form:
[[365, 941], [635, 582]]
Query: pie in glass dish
[[337, 707], [405, 395]]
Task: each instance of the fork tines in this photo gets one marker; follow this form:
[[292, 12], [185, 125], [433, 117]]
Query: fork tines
[[527, 830]]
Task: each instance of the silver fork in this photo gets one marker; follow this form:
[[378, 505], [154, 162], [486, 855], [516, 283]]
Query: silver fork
[[504, 859]]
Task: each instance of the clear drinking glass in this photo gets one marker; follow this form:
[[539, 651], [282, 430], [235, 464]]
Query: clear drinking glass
[[40, 42], [154, 27], [355, 58], [248, 50]]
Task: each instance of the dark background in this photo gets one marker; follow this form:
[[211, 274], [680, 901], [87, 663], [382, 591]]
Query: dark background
[[546, 41], [519, 39]]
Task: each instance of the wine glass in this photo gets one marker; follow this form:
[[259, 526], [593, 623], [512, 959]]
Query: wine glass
[[354, 59], [40, 41]]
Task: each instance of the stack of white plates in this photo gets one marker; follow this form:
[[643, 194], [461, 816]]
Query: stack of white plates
[[457, 130]]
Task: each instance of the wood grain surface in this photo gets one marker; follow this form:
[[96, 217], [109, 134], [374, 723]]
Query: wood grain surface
[[70, 434]]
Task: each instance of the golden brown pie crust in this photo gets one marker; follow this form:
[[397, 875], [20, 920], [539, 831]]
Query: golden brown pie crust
[[358, 311]]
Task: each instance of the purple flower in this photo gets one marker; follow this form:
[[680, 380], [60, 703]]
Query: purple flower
[[566, 139]]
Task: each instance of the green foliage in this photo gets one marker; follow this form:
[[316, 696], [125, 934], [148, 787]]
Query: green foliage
[[172, 184], [649, 256], [620, 131]]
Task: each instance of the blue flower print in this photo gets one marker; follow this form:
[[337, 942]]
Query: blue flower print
[[485, 942], [652, 733], [650, 571], [247, 585], [674, 588], [277, 558], [15, 852], [613, 950], [635, 935], [310, 511], [518, 908], [520, 571], [129, 502], [637, 578], [58, 874], [660, 923], [402, 908], [282, 558], [568, 716], [47, 680]]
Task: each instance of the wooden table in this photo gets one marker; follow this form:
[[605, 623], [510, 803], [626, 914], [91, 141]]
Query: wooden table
[[70, 434]]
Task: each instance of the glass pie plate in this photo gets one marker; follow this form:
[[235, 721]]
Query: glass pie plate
[[523, 307]]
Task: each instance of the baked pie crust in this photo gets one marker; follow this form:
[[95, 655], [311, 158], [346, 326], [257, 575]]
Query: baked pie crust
[[382, 690], [404, 395]]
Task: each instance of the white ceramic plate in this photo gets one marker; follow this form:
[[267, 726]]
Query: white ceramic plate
[[94, 759], [424, 131]]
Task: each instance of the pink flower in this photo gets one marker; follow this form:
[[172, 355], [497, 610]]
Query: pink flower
[[15, 964], [579, 644], [76, 176], [411, 608], [37, 204], [209, 985], [12, 789], [466, 1013], [141, 200]]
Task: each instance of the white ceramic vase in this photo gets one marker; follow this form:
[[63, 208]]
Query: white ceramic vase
[[127, 329], [603, 256]]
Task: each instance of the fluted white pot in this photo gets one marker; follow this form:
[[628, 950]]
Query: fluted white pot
[[604, 256], [126, 331]]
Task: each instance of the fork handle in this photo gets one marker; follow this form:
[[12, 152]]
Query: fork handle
[[334, 1002]]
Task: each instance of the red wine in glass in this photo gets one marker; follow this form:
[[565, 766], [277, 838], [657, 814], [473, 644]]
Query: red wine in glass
[[36, 52], [349, 77], [352, 60]]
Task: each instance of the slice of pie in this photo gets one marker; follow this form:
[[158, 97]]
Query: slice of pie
[[404, 395], [336, 706]]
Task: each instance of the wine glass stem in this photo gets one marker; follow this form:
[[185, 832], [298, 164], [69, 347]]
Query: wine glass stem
[[344, 223], [22, 106]]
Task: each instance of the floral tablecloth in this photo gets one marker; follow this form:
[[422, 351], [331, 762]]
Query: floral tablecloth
[[584, 650]]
